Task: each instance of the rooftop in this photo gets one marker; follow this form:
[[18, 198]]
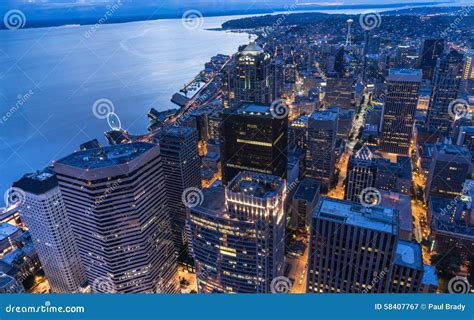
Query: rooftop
[[409, 255], [401, 203], [253, 109], [453, 150], [7, 230], [429, 276], [408, 75], [253, 48], [308, 189], [37, 182], [323, 116], [255, 184], [106, 156], [213, 200], [378, 218]]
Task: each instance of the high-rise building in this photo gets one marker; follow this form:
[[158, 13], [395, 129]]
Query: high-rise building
[[399, 110], [468, 69], [446, 86], [448, 171], [349, 243], [361, 174], [251, 79], [408, 268], [303, 203], [339, 92], [430, 52], [182, 170], [44, 213], [253, 140], [238, 238], [116, 203], [321, 144]]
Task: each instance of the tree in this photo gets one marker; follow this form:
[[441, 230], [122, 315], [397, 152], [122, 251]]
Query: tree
[[448, 264]]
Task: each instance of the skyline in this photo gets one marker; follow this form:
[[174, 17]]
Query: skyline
[[299, 152]]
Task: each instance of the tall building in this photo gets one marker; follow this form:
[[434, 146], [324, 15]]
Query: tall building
[[44, 213], [349, 243], [399, 110], [303, 203], [361, 174], [468, 68], [431, 50], [408, 268], [182, 170], [321, 144], [251, 79], [446, 87], [339, 93], [253, 140], [238, 238], [448, 171], [116, 202]]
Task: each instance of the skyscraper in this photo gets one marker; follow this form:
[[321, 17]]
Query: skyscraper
[[430, 52], [446, 86], [44, 213], [251, 78], [361, 173], [182, 170], [321, 142], [399, 110], [238, 238], [253, 140], [116, 202], [349, 243], [448, 171]]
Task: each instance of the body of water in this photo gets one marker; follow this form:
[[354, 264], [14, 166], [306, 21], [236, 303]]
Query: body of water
[[51, 77]]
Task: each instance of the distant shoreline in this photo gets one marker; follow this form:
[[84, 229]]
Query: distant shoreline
[[41, 22]]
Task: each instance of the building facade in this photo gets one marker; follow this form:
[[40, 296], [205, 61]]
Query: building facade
[[44, 212], [116, 201]]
